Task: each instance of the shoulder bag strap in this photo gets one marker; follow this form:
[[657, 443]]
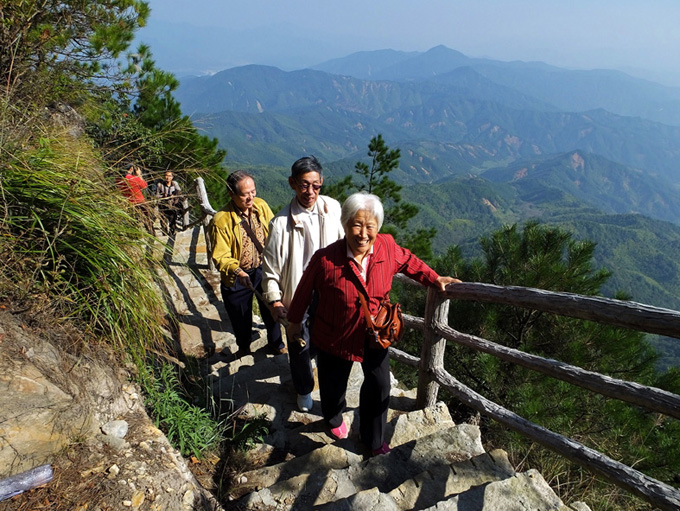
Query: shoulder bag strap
[[367, 313], [364, 307], [252, 236]]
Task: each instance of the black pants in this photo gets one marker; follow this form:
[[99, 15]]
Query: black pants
[[238, 300], [168, 214], [374, 397]]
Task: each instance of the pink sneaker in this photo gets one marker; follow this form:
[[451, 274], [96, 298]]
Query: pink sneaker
[[340, 432], [384, 449]]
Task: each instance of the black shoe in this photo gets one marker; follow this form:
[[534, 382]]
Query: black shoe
[[242, 352]]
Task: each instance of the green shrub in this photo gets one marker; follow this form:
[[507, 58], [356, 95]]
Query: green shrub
[[189, 428]]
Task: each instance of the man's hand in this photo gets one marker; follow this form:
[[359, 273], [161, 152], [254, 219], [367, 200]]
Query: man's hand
[[279, 311], [244, 279]]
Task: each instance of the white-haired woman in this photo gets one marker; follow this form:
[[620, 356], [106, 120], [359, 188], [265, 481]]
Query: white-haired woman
[[362, 262]]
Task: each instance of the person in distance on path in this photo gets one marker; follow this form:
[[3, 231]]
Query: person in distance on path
[[167, 193], [131, 185]]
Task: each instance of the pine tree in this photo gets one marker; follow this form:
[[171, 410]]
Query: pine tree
[[55, 46], [69, 51], [375, 180], [144, 122], [156, 109]]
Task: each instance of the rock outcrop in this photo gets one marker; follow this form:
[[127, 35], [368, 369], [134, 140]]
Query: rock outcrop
[[50, 399], [83, 417]]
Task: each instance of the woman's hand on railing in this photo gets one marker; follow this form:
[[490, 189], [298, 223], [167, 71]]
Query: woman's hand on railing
[[442, 282]]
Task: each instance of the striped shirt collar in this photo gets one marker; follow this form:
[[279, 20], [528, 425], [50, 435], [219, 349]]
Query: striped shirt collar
[[363, 266]]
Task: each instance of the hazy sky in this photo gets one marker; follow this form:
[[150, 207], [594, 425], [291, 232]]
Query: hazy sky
[[195, 36]]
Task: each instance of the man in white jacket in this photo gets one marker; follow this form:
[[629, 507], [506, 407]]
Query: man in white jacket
[[310, 222]]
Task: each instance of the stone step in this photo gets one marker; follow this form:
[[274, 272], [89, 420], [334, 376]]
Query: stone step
[[429, 487], [385, 472], [225, 364], [203, 324], [485, 482], [265, 391], [326, 457], [526, 491], [403, 428]]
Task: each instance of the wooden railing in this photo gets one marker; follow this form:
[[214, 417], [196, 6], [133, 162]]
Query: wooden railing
[[207, 213], [432, 375]]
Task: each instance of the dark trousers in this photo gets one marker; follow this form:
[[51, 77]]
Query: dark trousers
[[238, 300], [301, 361], [168, 218], [374, 397]]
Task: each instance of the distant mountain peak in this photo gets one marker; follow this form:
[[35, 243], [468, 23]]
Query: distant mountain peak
[[444, 50]]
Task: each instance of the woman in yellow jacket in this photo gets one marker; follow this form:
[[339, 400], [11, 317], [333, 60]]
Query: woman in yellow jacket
[[238, 235]]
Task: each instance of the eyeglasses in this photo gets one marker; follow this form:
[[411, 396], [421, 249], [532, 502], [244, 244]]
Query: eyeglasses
[[305, 186]]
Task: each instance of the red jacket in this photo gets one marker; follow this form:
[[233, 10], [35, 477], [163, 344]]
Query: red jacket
[[132, 187], [339, 325]]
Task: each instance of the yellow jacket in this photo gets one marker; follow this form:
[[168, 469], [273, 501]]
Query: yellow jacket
[[225, 235]]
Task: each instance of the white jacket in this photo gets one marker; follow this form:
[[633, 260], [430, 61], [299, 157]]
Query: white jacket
[[283, 253]]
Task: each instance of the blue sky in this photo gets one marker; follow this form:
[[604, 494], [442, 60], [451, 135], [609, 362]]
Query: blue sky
[[199, 36]]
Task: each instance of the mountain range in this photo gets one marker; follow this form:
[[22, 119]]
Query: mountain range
[[483, 143], [456, 122]]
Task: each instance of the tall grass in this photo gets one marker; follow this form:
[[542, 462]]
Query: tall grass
[[72, 244], [69, 237]]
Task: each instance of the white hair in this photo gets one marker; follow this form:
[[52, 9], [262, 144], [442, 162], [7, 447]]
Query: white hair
[[362, 201]]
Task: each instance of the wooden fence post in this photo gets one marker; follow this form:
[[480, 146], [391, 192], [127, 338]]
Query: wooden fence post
[[208, 212], [208, 243], [432, 352], [185, 213]]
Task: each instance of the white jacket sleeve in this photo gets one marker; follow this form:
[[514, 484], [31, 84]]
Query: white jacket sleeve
[[273, 260]]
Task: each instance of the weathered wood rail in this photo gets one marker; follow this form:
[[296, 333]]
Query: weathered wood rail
[[207, 212], [432, 375]]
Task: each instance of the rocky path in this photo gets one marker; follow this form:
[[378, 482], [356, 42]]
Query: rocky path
[[434, 464]]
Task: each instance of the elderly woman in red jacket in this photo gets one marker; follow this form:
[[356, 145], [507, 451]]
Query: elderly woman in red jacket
[[362, 262]]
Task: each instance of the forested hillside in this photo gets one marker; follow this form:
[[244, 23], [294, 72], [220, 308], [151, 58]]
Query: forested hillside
[[640, 251], [267, 116]]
